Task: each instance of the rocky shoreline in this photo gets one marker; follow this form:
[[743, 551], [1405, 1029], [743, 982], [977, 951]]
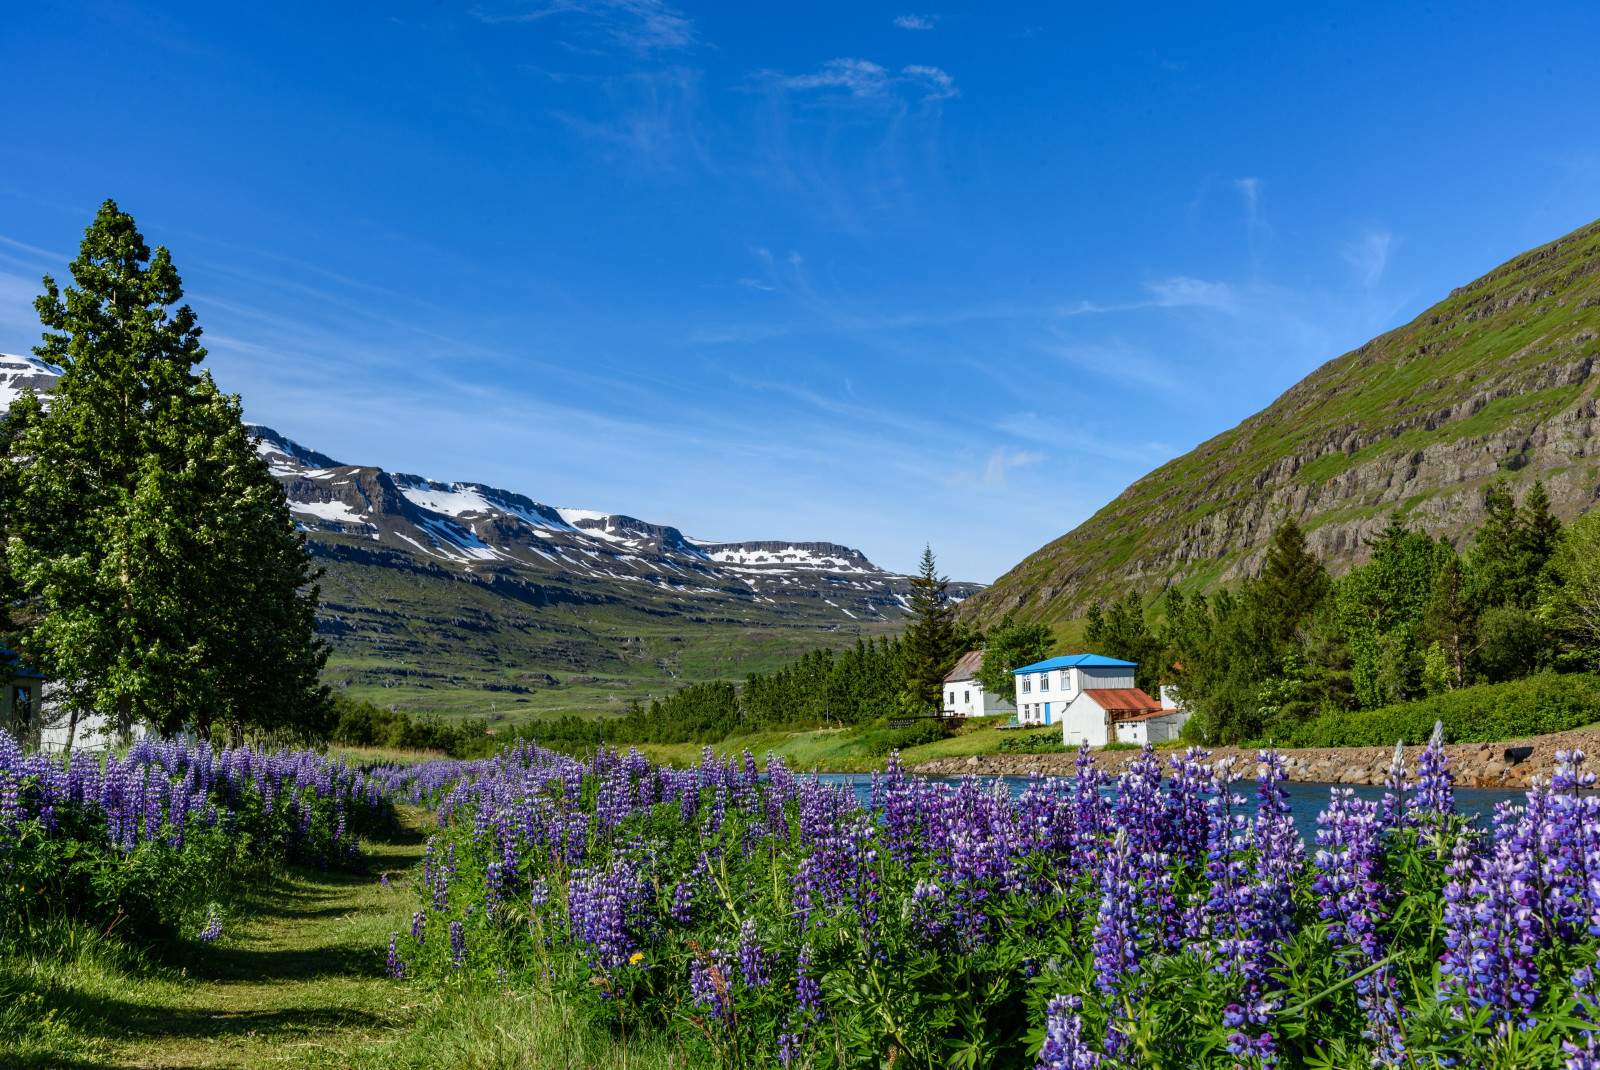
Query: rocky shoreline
[[1512, 764]]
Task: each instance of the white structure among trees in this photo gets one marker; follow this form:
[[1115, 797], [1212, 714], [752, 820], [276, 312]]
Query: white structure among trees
[[1095, 700], [964, 696]]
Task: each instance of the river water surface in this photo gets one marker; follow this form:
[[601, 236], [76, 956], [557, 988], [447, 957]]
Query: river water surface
[[1306, 801]]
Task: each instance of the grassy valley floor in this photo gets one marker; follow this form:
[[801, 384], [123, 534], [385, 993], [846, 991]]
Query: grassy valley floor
[[297, 980]]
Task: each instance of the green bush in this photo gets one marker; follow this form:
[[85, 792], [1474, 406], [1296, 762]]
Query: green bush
[[930, 731], [1034, 743], [877, 739], [362, 723], [1531, 706]]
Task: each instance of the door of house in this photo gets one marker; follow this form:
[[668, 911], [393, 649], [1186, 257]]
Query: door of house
[[22, 709]]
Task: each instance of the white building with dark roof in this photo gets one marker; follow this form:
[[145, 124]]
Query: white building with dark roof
[[964, 696], [1095, 700]]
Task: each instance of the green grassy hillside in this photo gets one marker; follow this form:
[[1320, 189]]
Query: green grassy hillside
[[1494, 381]]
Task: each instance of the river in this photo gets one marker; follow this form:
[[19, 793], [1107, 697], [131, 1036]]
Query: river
[[1306, 801]]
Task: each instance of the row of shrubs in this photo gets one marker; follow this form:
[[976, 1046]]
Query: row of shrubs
[[1532, 706], [362, 723]]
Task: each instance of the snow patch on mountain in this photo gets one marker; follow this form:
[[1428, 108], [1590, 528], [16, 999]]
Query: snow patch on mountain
[[19, 373], [340, 512]]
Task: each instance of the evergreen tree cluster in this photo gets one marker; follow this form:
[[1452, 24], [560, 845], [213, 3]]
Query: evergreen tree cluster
[[150, 565], [1418, 619]]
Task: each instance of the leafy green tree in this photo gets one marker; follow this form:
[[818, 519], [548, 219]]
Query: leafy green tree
[[1380, 608], [1122, 632], [1451, 620], [163, 576], [1569, 597], [1008, 646], [1513, 643], [933, 639]]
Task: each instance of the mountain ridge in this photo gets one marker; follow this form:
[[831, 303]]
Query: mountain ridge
[[471, 524], [1494, 381], [457, 597]]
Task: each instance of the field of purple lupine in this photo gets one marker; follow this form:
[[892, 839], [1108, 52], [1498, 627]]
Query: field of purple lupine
[[762, 918], [1172, 917], [149, 845]]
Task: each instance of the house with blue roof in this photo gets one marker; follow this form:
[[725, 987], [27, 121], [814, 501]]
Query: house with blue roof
[[1095, 700], [21, 699]]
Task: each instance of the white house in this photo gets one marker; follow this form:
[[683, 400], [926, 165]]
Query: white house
[[31, 713], [1094, 699], [965, 697], [21, 700], [1153, 726]]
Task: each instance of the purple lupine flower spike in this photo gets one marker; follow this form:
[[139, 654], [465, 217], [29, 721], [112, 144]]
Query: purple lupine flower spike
[[1064, 1048]]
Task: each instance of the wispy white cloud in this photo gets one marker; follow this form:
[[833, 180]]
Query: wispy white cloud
[[1250, 188], [994, 472], [650, 115], [915, 22], [863, 78], [1182, 292], [941, 85], [640, 25], [1369, 256], [16, 302]]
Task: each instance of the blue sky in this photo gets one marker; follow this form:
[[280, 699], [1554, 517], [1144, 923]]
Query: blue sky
[[873, 274]]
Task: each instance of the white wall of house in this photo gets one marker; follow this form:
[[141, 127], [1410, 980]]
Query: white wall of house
[[48, 726], [1048, 697], [1163, 729], [89, 734], [967, 698]]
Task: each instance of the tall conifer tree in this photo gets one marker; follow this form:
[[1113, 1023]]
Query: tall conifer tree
[[163, 577], [1293, 580], [933, 639]]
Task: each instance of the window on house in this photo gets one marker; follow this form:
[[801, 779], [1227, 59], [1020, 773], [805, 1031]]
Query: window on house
[[1044, 681], [1066, 679], [1027, 684], [22, 707], [952, 698]]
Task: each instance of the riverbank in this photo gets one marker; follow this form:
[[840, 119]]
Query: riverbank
[[1478, 765]]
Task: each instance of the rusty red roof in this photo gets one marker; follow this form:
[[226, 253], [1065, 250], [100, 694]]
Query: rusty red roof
[[1129, 700], [1123, 718], [966, 665]]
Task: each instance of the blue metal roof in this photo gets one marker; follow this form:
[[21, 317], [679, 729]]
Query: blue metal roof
[[11, 666], [1077, 661]]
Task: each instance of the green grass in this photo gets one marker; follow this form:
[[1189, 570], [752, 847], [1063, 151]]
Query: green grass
[[835, 750], [297, 980]]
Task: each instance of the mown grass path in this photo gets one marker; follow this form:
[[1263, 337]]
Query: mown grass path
[[297, 980]]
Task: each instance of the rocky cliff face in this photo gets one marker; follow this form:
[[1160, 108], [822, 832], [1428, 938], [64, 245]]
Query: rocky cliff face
[[1496, 381]]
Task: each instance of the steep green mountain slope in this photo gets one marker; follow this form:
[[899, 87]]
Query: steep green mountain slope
[[1494, 381]]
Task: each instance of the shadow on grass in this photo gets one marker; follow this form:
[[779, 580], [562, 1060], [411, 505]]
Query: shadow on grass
[[292, 935]]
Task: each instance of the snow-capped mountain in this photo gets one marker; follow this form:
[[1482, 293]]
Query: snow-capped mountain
[[364, 514], [473, 526], [21, 373]]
